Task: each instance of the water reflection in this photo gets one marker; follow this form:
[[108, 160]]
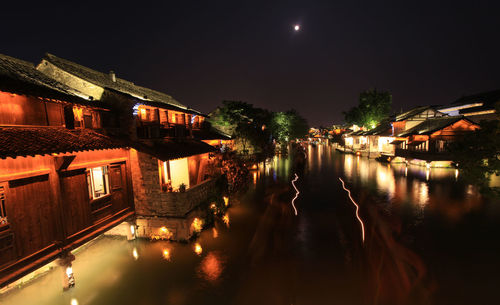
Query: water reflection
[[135, 253], [269, 256], [166, 254], [225, 219], [391, 180], [211, 267]]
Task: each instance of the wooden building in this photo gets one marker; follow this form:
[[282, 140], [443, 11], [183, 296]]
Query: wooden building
[[62, 182], [171, 165], [428, 142], [379, 141], [476, 107]]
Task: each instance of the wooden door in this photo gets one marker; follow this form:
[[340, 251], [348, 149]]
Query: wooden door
[[32, 214], [75, 201], [118, 185], [7, 249]]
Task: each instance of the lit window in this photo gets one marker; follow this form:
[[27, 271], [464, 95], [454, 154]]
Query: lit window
[[174, 175], [98, 181], [164, 170]]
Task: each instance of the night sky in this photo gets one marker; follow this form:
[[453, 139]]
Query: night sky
[[204, 52]]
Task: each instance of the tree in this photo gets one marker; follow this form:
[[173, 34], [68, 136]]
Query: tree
[[245, 123], [373, 107], [288, 125], [477, 154]]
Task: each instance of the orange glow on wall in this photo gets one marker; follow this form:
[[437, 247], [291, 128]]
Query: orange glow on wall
[[78, 113], [179, 173]]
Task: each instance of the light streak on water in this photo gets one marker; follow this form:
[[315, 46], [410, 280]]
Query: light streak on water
[[296, 195], [357, 211]]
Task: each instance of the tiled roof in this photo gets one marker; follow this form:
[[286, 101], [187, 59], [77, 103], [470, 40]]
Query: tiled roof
[[487, 98], [408, 114], [210, 134], [169, 149], [104, 80], [383, 129], [431, 125], [30, 141], [21, 77]]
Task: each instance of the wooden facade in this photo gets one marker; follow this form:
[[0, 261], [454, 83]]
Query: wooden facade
[[49, 210], [49, 147], [429, 141]]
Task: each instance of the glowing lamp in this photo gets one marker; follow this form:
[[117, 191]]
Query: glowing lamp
[[197, 225], [226, 200], [69, 271], [198, 249]]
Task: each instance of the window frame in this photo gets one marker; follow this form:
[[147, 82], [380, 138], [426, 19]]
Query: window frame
[[106, 182]]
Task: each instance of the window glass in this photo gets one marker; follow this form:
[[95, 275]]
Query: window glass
[[98, 181]]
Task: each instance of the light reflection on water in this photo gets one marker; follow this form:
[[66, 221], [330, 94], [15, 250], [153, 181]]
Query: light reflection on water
[[398, 182], [211, 267], [270, 256]]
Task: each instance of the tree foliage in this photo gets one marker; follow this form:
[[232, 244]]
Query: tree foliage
[[244, 122], [254, 127], [373, 107], [477, 154], [288, 125]]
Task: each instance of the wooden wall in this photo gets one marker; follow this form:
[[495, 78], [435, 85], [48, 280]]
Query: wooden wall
[[23, 110], [50, 209]]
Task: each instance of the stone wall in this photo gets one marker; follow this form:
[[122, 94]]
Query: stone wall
[[156, 208], [149, 198]]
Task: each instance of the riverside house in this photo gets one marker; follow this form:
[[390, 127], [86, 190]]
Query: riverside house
[[171, 169], [62, 182], [476, 107], [427, 143]]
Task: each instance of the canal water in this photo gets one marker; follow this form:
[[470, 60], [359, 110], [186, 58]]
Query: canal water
[[428, 239]]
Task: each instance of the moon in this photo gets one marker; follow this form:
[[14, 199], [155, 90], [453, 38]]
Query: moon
[[296, 27]]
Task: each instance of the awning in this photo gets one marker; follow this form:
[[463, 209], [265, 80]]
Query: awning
[[174, 149], [396, 142], [415, 143]]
